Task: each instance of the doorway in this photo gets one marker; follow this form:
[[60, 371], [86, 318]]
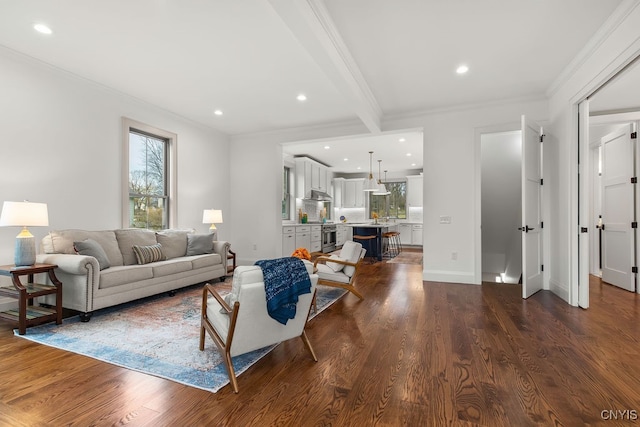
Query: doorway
[[501, 211]]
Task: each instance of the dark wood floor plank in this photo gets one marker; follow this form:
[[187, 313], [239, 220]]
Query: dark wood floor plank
[[410, 353]]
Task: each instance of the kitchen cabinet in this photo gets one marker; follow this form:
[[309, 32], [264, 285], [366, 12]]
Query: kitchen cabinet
[[414, 191], [338, 190], [343, 233], [406, 231], [288, 240], [310, 175], [316, 238], [303, 237], [353, 196], [416, 234]]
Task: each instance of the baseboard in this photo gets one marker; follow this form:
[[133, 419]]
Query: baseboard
[[558, 289], [449, 277]]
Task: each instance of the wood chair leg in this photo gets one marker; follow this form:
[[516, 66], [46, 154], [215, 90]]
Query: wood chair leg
[[231, 372], [307, 344]]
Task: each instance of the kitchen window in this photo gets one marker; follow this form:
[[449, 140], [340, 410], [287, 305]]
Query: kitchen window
[[150, 164], [393, 205]]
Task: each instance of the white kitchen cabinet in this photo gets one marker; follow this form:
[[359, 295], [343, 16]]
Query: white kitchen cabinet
[[406, 231], [310, 175], [316, 238], [353, 196], [288, 240], [414, 191], [338, 191], [303, 237], [416, 234], [343, 233]]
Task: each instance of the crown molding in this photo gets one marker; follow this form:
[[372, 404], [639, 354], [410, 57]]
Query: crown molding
[[603, 33]]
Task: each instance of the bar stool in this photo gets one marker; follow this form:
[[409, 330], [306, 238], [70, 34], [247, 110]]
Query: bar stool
[[393, 245], [366, 242]]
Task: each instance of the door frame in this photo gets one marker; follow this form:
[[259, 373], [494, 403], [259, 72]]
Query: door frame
[[581, 253], [516, 125]]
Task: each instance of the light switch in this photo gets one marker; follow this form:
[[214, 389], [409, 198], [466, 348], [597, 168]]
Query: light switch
[[445, 219]]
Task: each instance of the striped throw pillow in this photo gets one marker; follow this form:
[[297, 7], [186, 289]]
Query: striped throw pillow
[[147, 254]]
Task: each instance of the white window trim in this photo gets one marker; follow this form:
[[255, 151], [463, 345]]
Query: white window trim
[[127, 125]]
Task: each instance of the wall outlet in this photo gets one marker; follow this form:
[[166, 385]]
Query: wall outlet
[[445, 219], [454, 256], [255, 247]]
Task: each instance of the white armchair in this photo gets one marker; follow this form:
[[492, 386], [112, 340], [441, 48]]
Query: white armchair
[[239, 322]]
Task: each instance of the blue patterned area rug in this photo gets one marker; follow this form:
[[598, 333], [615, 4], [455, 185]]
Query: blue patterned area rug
[[158, 336]]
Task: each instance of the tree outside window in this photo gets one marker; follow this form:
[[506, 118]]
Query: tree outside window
[[147, 181], [393, 205]]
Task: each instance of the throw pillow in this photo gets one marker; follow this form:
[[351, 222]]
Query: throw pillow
[[147, 254], [199, 244], [334, 265], [92, 248], [174, 242]]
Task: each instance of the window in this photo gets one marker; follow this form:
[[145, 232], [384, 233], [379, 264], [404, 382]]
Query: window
[[286, 193], [393, 205], [149, 200]]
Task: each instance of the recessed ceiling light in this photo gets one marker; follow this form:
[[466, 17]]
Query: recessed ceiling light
[[408, 154], [345, 159], [218, 112], [462, 69], [301, 97], [358, 168], [326, 147], [413, 164], [402, 140], [41, 28]]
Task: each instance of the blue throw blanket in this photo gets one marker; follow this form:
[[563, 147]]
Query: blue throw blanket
[[284, 280]]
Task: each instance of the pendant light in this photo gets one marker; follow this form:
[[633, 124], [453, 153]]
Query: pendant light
[[381, 189], [370, 184]]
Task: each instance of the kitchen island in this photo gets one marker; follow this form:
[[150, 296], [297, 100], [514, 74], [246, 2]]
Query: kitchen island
[[374, 246]]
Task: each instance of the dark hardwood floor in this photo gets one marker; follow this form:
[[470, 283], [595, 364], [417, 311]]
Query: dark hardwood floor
[[412, 353]]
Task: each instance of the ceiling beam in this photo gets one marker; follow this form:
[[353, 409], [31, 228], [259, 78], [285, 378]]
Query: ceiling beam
[[311, 25]]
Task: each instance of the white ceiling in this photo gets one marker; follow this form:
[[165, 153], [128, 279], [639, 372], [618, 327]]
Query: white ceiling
[[358, 61]]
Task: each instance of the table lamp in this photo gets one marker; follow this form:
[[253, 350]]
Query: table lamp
[[213, 217], [24, 214]]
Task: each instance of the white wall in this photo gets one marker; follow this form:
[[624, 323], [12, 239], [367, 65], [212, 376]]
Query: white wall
[[604, 59], [450, 168], [62, 144]]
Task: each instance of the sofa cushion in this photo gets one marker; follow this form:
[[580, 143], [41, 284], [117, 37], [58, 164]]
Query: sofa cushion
[[198, 244], [116, 276], [92, 248], [148, 254], [208, 260], [133, 236], [174, 242], [61, 242], [173, 266]]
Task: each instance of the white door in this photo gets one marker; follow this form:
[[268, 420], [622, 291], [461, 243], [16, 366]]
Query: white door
[[618, 210], [531, 208]]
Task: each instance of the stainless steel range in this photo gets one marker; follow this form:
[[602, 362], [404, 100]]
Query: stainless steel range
[[328, 238]]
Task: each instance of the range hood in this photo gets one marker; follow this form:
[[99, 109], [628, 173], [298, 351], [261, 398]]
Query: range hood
[[318, 195]]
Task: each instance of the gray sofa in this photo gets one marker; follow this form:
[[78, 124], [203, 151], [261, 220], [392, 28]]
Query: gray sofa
[[100, 269]]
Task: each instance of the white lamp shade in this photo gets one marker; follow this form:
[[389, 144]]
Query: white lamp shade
[[212, 216], [24, 214]]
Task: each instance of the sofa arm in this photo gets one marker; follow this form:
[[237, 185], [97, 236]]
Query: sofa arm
[[222, 248], [71, 264]]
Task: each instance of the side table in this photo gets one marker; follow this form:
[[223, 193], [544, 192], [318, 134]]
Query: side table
[[231, 256], [28, 314]]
